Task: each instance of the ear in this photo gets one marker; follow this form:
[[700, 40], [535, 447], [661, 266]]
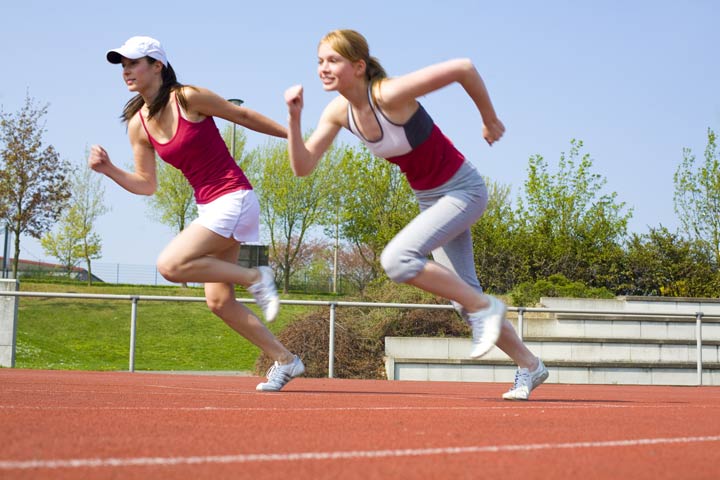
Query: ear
[[359, 68]]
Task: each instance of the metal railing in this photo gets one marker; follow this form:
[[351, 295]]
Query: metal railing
[[134, 299]]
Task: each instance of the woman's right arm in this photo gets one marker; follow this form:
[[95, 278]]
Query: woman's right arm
[[305, 155], [143, 181]]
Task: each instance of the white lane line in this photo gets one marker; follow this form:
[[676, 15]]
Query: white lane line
[[355, 454], [513, 406]]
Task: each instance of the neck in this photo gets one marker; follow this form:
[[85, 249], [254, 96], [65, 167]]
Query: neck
[[149, 97], [357, 94], [150, 93]]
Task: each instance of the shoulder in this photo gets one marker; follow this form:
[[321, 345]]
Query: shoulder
[[392, 103], [136, 131], [336, 111]]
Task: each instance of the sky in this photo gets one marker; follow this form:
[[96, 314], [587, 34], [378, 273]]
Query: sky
[[635, 81]]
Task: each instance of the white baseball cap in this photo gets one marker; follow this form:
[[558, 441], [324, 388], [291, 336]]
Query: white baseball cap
[[138, 47]]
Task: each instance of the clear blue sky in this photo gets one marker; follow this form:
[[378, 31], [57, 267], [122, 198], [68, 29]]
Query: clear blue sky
[[635, 81]]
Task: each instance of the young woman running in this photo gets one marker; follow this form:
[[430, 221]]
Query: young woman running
[[176, 122], [385, 115]]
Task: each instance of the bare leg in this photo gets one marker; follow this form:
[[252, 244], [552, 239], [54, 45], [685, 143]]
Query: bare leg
[[221, 300], [438, 280], [200, 255], [190, 257]]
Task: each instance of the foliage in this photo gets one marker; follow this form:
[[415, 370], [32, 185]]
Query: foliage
[[360, 333], [570, 227], [697, 195], [290, 206], [173, 203], [76, 239], [528, 293], [377, 203], [664, 263], [497, 243], [34, 185]]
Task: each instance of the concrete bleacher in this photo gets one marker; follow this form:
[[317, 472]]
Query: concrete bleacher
[[627, 340]]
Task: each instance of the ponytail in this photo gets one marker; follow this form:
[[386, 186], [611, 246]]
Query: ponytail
[[373, 70]]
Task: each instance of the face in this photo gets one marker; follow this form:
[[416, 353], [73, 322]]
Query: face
[[140, 74], [337, 72]]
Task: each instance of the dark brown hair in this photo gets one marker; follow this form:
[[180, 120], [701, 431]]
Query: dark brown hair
[[169, 84]]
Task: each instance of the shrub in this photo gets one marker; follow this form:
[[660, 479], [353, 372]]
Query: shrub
[[528, 294]]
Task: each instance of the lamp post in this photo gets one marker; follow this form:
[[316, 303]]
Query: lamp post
[[238, 102]]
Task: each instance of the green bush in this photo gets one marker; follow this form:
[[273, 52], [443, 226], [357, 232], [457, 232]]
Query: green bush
[[528, 294]]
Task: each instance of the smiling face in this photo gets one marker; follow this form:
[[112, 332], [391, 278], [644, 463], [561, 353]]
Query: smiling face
[[337, 72], [141, 74]]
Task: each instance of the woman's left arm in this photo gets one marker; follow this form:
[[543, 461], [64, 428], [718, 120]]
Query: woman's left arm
[[405, 88], [209, 104]]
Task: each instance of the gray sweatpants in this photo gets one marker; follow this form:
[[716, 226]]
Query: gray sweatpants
[[442, 228]]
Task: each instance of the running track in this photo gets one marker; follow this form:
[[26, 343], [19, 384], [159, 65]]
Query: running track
[[90, 425]]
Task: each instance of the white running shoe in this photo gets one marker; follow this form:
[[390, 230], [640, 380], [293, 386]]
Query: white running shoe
[[279, 375], [486, 325], [265, 294], [526, 381]]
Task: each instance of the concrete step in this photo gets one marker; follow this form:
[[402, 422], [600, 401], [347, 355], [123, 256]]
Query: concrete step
[[560, 372], [624, 327], [584, 360]]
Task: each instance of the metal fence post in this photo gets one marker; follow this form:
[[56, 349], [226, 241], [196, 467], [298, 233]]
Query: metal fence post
[[521, 322], [133, 329], [331, 342], [698, 338]]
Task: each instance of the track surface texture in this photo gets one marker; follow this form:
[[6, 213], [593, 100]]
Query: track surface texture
[[118, 425]]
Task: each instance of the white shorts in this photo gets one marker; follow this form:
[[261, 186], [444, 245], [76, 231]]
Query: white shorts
[[235, 214]]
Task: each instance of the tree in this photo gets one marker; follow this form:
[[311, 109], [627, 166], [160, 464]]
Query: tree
[[76, 240], [34, 184], [289, 206], [376, 204], [697, 195], [173, 203], [497, 243], [571, 228], [665, 263]]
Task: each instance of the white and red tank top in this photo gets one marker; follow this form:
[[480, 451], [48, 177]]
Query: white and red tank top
[[426, 156]]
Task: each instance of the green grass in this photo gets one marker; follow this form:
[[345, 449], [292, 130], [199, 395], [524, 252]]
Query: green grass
[[78, 334]]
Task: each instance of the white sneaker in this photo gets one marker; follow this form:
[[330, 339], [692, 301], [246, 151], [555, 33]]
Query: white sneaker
[[486, 325], [265, 294], [526, 381], [279, 375]]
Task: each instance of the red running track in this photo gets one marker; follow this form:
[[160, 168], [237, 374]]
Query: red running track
[[80, 425]]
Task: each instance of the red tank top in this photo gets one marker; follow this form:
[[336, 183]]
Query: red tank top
[[199, 152]]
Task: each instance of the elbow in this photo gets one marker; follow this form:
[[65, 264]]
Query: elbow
[[147, 189], [466, 65]]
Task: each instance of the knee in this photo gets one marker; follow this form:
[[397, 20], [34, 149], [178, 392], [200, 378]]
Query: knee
[[401, 265], [169, 268], [218, 304]]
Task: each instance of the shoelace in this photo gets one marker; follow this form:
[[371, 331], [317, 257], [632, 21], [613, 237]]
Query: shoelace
[[522, 378], [271, 371], [274, 374]]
